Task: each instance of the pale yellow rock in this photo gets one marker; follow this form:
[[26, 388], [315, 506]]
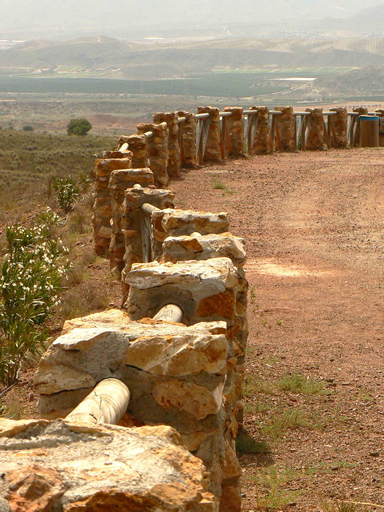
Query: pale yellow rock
[[217, 272], [114, 317], [74, 467], [51, 378], [187, 396], [9, 428], [81, 338], [179, 355], [194, 440], [203, 247]]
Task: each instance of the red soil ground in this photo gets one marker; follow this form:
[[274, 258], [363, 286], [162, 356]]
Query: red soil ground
[[314, 230]]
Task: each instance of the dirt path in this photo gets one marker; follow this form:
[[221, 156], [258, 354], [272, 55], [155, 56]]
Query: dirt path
[[314, 227]]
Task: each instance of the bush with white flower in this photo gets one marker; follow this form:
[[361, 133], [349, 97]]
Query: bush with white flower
[[30, 282]]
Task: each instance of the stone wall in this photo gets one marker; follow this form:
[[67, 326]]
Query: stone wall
[[157, 151], [119, 182], [339, 127], [213, 146], [316, 129], [102, 207], [262, 143], [285, 129], [235, 126], [188, 139], [188, 376], [174, 155]]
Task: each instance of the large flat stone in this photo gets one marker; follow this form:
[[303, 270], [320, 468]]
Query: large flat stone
[[79, 467]]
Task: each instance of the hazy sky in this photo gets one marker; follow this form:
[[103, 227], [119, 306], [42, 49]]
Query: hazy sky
[[94, 15]]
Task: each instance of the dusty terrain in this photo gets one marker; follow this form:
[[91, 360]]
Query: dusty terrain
[[313, 225], [314, 228]]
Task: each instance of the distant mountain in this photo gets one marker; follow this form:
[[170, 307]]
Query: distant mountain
[[48, 18], [368, 21]]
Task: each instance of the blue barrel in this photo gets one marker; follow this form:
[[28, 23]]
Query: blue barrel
[[369, 131]]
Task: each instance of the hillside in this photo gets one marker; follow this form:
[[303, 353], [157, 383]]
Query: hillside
[[108, 57], [356, 81]]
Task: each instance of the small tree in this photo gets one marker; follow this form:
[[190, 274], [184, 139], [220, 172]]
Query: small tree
[[78, 127], [66, 192], [30, 282]]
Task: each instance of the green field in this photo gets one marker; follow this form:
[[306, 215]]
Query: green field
[[216, 84]]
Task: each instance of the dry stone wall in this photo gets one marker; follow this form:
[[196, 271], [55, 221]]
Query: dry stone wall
[[316, 129], [102, 209], [119, 182], [138, 146], [185, 375], [188, 139], [174, 155], [262, 143], [285, 129], [213, 146], [235, 126], [157, 151], [339, 127]]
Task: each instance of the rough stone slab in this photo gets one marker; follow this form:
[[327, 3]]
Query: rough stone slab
[[186, 354], [185, 222], [73, 467], [203, 247], [196, 400], [217, 273]]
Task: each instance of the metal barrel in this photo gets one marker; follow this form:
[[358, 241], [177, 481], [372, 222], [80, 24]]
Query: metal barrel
[[369, 132]]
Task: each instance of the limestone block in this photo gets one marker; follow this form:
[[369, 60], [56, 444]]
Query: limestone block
[[119, 182], [315, 141], [104, 166], [196, 400], [213, 147], [74, 466], [114, 319], [182, 355], [187, 139], [138, 145], [177, 222], [174, 154], [285, 127], [157, 151], [119, 153], [262, 143], [235, 126], [362, 111], [203, 247]]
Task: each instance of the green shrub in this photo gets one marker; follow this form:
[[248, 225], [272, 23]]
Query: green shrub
[[66, 192], [28, 128], [78, 127], [30, 282]]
